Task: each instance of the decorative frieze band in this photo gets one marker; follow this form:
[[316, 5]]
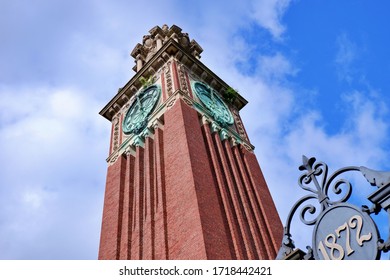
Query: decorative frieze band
[[182, 78], [168, 79], [115, 133], [239, 124]]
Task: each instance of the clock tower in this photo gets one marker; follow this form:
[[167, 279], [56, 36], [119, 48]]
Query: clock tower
[[183, 181]]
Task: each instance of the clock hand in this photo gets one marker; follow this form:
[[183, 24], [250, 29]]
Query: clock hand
[[139, 102], [212, 95]]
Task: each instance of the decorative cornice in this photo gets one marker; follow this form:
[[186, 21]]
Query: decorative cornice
[[130, 151], [205, 119], [138, 141], [157, 124], [214, 127], [223, 134], [147, 133]]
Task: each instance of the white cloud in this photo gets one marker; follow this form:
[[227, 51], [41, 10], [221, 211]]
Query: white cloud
[[346, 56], [33, 199], [346, 52], [54, 144], [275, 67], [268, 14], [360, 141]]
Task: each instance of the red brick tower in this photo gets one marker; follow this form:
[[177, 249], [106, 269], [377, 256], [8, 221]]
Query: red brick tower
[[182, 181]]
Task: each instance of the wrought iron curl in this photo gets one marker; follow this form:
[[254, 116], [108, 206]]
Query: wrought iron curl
[[319, 168], [311, 174], [340, 187], [332, 192], [316, 173], [307, 208], [304, 181], [287, 242]]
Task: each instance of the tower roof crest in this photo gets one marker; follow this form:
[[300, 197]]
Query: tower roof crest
[[157, 37]]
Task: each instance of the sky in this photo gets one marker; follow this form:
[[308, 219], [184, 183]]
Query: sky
[[316, 75]]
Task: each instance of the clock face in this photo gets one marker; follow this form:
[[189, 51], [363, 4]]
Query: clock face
[[213, 103], [136, 118]]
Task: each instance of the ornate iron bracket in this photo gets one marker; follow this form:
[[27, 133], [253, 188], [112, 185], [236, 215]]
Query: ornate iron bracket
[[321, 186]]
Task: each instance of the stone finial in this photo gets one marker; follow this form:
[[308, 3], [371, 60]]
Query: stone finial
[[156, 38]]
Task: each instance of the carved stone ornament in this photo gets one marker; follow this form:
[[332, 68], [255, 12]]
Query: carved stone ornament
[[182, 78], [115, 142], [239, 125], [114, 158], [171, 102], [157, 36], [168, 79]]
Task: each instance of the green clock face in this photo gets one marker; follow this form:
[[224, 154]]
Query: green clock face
[[136, 118], [213, 103]]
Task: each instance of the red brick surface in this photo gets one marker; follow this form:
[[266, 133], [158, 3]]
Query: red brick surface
[[235, 202], [160, 226], [148, 211], [138, 206], [127, 208], [231, 223], [273, 229], [188, 195], [195, 224], [112, 211]]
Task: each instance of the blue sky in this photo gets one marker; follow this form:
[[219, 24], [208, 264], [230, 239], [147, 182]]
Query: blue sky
[[315, 74]]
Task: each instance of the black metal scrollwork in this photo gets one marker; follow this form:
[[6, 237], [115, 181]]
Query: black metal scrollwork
[[315, 180]]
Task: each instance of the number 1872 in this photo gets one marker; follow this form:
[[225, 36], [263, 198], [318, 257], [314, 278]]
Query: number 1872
[[337, 251]]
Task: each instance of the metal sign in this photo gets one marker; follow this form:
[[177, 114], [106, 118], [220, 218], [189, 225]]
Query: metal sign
[[342, 231]]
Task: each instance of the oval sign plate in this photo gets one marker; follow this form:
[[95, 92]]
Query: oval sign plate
[[344, 232]]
